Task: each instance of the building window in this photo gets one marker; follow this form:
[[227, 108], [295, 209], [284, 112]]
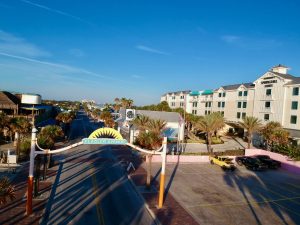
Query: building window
[[240, 93], [173, 104], [293, 119], [224, 94], [208, 111], [194, 104], [181, 104], [220, 94], [173, 97], [238, 115], [239, 105], [268, 92], [266, 117], [244, 105], [295, 105], [182, 97], [209, 104], [243, 115], [223, 104], [219, 104], [295, 91], [222, 113], [194, 112], [267, 104], [245, 93], [205, 112]]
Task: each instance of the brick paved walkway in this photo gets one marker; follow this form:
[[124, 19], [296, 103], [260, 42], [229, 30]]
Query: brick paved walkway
[[14, 212], [172, 212]]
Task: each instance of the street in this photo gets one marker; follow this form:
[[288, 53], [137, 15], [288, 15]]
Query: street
[[91, 187]]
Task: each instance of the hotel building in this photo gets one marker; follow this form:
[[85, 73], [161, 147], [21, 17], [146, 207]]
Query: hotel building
[[274, 96]]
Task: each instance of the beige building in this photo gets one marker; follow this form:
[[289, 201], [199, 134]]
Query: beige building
[[274, 96], [176, 99]]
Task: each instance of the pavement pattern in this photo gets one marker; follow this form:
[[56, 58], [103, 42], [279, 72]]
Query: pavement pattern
[[213, 196]]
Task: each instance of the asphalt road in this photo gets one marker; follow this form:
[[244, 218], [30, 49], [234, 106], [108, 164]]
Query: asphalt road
[[91, 187], [214, 196]]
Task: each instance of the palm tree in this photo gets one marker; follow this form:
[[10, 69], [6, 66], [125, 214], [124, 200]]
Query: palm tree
[[251, 124], [6, 190], [4, 122], [156, 126], [20, 126], [52, 132], [124, 102], [141, 122], [149, 138], [47, 138], [210, 124]]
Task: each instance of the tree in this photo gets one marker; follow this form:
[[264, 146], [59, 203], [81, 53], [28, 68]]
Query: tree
[[141, 122], [251, 124], [6, 190], [46, 139], [210, 124], [4, 122], [20, 126], [66, 118], [150, 138], [274, 134]]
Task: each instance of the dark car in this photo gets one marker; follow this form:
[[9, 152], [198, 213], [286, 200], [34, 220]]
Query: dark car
[[240, 160], [271, 163], [253, 163]]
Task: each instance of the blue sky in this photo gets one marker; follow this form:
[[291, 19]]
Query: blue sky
[[75, 49]]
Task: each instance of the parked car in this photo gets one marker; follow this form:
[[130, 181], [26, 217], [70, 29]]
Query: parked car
[[271, 163], [224, 162], [253, 163], [240, 160]]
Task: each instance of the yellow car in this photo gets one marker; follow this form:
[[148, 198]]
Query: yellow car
[[224, 162]]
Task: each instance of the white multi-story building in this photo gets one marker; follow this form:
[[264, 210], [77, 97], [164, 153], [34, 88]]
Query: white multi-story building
[[274, 96], [176, 99]]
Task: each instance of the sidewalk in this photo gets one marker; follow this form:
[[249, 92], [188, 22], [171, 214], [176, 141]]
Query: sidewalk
[[172, 212], [14, 212]]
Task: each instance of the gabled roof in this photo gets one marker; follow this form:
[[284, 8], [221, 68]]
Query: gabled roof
[[8, 100], [236, 86], [159, 115], [178, 92], [294, 80]]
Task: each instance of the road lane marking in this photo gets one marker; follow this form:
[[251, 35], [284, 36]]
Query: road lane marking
[[97, 200], [243, 202]]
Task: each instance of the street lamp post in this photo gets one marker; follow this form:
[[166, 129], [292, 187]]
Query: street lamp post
[[162, 175], [30, 176], [31, 99]]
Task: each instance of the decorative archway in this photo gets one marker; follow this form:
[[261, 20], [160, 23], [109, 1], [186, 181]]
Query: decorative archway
[[106, 136], [106, 132]]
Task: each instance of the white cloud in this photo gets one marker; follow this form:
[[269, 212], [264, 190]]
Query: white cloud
[[251, 43], [230, 38], [11, 44], [152, 50], [55, 11], [40, 67]]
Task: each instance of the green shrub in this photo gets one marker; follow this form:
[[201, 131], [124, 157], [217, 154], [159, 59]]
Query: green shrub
[[25, 145], [289, 150], [45, 142]]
